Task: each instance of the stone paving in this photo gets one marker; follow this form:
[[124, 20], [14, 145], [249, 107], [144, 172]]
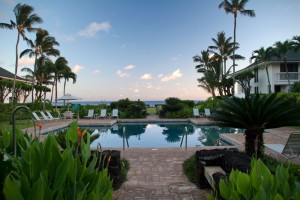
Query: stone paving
[[158, 174]]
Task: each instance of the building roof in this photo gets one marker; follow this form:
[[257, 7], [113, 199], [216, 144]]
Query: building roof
[[291, 57], [4, 74]]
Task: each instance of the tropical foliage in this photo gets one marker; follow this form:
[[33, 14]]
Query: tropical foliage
[[244, 79], [43, 171], [260, 183], [255, 114], [130, 109], [176, 108]]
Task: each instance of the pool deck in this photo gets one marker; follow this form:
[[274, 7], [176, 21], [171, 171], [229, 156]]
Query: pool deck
[[157, 173]]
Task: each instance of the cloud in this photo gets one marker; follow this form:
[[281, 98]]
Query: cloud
[[122, 74], [149, 86], [26, 61], [93, 28], [136, 91], [77, 68], [146, 77], [176, 74], [160, 75], [129, 67], [97, 71]]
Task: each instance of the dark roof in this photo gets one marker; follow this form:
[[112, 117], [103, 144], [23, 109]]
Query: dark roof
[[291, 57], [8, 75]]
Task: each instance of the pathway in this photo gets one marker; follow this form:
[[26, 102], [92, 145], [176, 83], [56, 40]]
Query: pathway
[[158, 174]]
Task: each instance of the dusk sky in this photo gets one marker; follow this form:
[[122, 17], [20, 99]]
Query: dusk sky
[[143, 49]]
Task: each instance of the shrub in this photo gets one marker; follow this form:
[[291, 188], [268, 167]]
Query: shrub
[[130, 109], [259, 184], [176, 108], [211, 103]]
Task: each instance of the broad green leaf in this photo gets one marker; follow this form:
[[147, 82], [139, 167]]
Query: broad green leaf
[[61, 175], [286, 191], [10, 189], [224, 190], [261, 194], [244, 185], [278, 197], [72, 132], [37, 190]]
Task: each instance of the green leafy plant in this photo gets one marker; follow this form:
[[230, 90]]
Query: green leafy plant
[[44, 171], [189, 168], [260, 183]]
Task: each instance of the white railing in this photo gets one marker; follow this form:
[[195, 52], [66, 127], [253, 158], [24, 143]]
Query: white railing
[[282, 76]]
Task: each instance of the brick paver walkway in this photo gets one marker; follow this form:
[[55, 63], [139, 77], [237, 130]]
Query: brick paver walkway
[[158, 174]]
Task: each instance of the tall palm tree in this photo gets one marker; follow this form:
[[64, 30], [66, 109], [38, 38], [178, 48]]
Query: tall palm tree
[[25, 19], [282, 49], [60, 65], [255, 114], [68, 74], [42, 46], [235, 7], [203, 59], [222, 49], [263, 55]]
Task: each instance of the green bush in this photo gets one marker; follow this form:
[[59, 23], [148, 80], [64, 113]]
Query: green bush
[[176, 108], [260, 183], [211, 103], [130, 109], [44, 171]]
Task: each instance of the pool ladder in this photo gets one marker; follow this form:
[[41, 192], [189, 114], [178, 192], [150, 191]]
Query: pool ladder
[[184, 134]]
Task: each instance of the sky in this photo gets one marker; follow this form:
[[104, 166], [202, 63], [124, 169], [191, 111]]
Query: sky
[[143, 49]]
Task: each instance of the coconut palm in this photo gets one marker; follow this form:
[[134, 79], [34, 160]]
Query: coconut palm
[[60, 65], [255, 114], [204, 60], [25, 19], [296, 43], [263, 55], [282, 48], [68, 74], [42, 46], [222, 49], [235, 7]]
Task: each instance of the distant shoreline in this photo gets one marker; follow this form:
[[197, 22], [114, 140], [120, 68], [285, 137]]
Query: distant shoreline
[[149, 103]]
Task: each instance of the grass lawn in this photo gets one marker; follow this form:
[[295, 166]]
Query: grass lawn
[[151, 111], [20, 124]]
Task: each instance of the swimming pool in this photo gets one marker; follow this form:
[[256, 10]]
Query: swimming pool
[[157, 135]]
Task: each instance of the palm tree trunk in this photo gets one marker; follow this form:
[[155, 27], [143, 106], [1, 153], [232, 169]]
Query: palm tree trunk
[[65, 86], [234, 40], [16, 68], [269, 86], [33, 81], [52, 92], [56, 91]]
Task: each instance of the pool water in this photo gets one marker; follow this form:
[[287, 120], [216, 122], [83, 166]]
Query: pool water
[[158, 135]]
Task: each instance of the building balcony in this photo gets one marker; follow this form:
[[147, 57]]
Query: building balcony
[[283, 76]]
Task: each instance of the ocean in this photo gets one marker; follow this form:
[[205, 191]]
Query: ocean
[[61, 103], [148, 103]]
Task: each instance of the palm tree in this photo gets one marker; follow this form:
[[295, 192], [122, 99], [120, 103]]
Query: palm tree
[[224, 48], [68, 74], [255, 114], [235, 7], [296, 43], [25, 19], [204, 60], [60, 65], [42, 46], [282, 50], [263, 55]]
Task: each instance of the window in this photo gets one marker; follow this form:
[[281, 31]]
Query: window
[[291, 67], [256, 75], [255, 90]]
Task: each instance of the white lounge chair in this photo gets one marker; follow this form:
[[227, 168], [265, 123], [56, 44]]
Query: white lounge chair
[[45, 116], [37, 118], [68, 115], [90, 114], [196, 113], [51, 117], [115, 113], [207, 112], [103, 113], [290, 150]]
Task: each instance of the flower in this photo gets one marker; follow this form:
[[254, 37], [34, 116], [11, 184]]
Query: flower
[[40, 125]]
